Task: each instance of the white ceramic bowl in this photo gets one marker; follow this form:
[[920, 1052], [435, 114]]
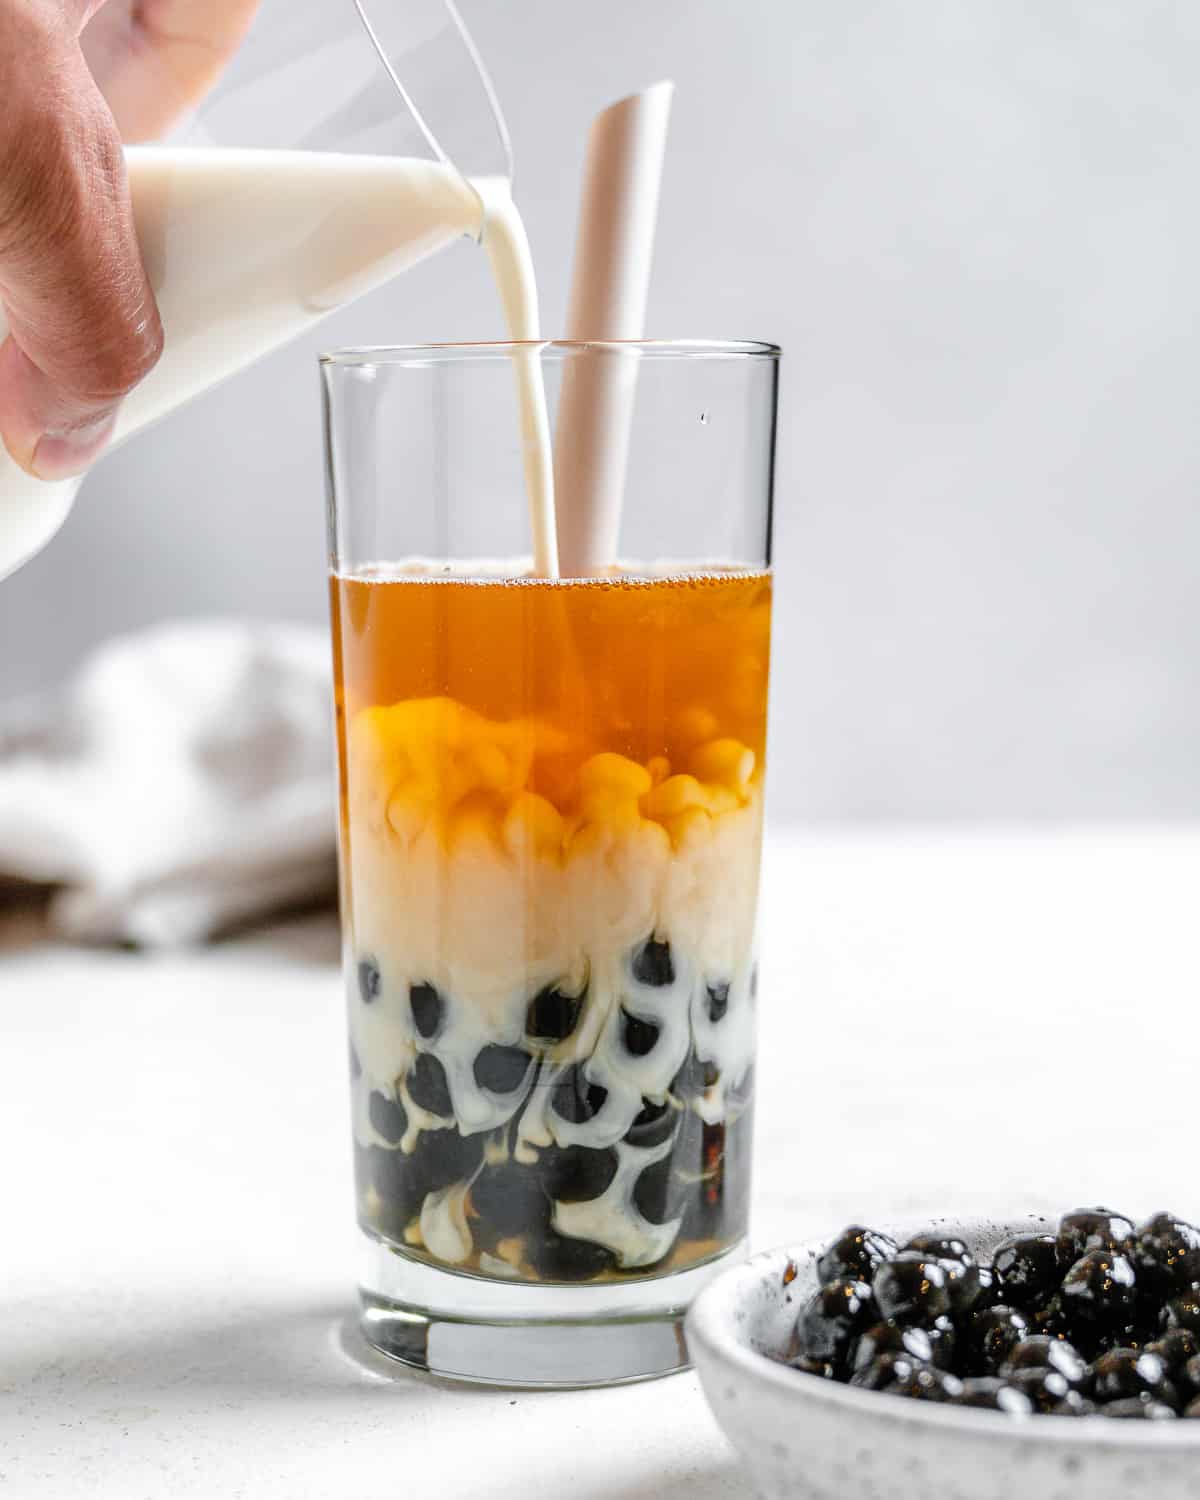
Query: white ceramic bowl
[[809, 1439]]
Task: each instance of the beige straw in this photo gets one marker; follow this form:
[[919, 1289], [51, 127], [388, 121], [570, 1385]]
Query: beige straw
[[613, 254]]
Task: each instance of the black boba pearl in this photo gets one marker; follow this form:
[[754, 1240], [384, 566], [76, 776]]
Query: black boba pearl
[[1135, 1335], [388, 1118], [399, 1183], [718, 1002], [1137, 1409], [576, 1174], [932, 1346], [426, 1006], [1192, 1409], [1187, 1377], [1132, 1372], [652, 1125], [988, 1393], [1176, 1348], [938, 1247], [833, 1317], [1088, 1229], [889, 1338], [1184, 1312], [1045, 1388], [553, 1016], [656, 1194], [576, 1099], [881, 1373], [428, 1087], [1050, 1319], [957, 1262], [912, 1289], [652, 964], [640, 1036], [558, 1257], [973, 1289], [502, 1070], [856, 1253], [944, 1337], [508, 1200], [449, 1157], [1100, 1289], [370, 981], [925, 1383], [1026, 1269], [1041, 1352], [990, 1336], [1166, 1253], [1074, 1404]]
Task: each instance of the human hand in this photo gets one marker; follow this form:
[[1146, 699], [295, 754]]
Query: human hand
[[77, 77]]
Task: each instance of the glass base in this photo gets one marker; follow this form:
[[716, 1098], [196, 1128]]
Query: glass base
[[495, 1332]]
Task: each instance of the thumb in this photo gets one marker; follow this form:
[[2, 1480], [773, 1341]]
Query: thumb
[[83, 325]]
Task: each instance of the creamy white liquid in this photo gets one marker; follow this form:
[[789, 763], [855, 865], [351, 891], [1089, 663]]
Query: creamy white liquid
[[246, 249]]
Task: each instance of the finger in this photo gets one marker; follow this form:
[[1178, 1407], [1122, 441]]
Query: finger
[[155, 59], [83, 324]]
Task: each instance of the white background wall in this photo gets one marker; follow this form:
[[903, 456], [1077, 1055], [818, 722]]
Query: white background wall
[[976, 230]]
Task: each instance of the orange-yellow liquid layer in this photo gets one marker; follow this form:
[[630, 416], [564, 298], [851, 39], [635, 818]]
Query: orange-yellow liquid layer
[[647, 669]]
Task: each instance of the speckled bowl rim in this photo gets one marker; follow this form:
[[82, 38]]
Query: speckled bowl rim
[[712, 1333]]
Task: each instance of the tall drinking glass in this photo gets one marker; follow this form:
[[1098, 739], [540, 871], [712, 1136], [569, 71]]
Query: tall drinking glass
[[551, 816]]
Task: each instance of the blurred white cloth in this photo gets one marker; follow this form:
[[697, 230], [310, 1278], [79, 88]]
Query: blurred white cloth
[[182, 785]]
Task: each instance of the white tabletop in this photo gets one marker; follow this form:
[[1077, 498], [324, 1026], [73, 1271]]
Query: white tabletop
[[967, 1021]]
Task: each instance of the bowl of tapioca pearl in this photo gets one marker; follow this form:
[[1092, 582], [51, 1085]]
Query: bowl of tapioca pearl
[[978, 1359]]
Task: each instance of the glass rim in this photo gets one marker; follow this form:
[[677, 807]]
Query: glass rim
[[367, 355]]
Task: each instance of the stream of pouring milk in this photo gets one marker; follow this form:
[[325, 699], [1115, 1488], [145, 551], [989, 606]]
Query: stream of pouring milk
[[246, 249]]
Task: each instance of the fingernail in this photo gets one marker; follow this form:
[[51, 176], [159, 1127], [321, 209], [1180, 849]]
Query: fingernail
[[63, 455]]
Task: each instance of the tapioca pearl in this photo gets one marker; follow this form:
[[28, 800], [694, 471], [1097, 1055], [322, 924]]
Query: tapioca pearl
[[553, 1016], [655, 1193], [427, 1009], [653, 1124], [388, 1118], [653, 965], [428, 1087], [502, 1070], [640, 1037], [718, 1002], [576, 1099], [1184, 1312], [508, 1199], [576, 1174], [559, 1257], [391, 1189], [370, 981], [448, 1156]]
